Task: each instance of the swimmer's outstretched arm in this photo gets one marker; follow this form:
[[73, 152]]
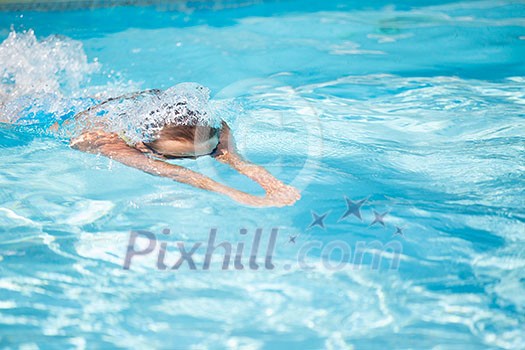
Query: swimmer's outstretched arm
[[227, 153], [112, 146]]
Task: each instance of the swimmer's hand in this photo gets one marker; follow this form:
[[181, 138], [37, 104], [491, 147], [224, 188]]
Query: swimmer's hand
[[276, 192], [112, 146]]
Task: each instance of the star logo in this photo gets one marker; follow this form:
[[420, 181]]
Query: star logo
[[379, 218], [318, 219], [353, 208], [399, 231]]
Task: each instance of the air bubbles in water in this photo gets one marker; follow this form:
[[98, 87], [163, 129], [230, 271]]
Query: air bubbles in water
[[41, 78]]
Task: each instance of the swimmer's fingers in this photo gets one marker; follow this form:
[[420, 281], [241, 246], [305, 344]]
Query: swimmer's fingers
[[290, 192], [266, 201], [247, 199], [286, 195]]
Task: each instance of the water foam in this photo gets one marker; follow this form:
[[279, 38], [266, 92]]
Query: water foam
[[42, 78], [55, 64]]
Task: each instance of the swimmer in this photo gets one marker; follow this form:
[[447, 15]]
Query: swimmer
[[172, 139]]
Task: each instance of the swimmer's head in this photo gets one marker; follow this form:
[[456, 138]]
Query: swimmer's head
[[185, 141]]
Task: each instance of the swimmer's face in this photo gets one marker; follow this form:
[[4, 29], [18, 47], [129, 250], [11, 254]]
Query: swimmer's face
[[185, 141], [175, 148]]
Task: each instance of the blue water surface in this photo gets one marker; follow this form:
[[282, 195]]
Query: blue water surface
[[415, 109]]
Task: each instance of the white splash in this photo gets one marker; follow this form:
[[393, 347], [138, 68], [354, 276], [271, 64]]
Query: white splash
[[41, 77], [56, 65]]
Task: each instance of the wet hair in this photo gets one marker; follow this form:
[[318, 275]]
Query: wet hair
[[190, 133]]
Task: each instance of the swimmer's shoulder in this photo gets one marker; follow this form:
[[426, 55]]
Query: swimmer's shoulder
[[92, 140]]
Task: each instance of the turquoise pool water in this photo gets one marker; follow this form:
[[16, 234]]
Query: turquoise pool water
[[418, 108]]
